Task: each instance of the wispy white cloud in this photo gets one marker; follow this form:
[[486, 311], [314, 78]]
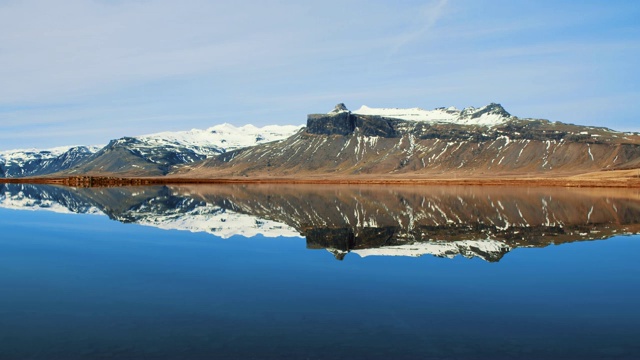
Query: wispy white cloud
[[425, 18]]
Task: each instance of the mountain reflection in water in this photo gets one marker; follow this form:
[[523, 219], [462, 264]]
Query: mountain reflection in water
[[484, 222]]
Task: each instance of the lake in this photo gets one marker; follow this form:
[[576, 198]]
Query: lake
[[319, 272]]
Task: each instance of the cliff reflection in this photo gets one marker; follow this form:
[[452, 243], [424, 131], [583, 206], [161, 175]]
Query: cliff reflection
[[484, 222]]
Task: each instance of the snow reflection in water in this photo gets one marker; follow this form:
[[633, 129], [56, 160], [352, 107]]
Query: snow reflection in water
[[483, 222]]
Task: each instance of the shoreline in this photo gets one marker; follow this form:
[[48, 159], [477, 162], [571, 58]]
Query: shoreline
[[108, 181]]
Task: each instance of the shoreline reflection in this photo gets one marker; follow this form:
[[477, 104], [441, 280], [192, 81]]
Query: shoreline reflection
[[443, 221]]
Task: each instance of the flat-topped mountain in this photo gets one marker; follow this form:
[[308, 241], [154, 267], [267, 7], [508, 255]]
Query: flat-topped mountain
[[470, 142]]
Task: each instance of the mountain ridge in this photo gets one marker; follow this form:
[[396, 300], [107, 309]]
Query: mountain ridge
[[369, 141], [144, 155]]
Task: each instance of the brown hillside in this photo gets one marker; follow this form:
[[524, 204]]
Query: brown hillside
[[375, 146]]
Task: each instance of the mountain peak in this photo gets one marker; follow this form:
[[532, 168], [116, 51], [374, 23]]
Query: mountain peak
[[491, 109], [339, 108]]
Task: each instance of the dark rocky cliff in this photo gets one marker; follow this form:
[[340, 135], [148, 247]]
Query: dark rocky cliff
[[343, 123]]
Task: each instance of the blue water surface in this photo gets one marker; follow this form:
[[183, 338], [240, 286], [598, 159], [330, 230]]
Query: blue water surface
[[86, 287]]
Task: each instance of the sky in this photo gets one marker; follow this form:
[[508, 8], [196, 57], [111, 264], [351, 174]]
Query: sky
[[80, 72]]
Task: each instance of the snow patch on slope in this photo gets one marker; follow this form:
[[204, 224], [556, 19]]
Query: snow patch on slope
[[22, 156], [219, 222], [56, 151], [489, 115], [448, 249], [219, 138]]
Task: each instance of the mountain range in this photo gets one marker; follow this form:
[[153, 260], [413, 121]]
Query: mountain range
[[147, 155], [388, 142]]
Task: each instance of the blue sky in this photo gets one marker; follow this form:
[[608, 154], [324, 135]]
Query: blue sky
[[85, 72]]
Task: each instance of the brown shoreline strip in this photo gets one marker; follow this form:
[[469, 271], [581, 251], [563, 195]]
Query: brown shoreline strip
[[102, 181]]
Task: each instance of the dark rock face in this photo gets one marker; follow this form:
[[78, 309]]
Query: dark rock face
[[343, 123], [377, 126], [345, 239], [326, 238]]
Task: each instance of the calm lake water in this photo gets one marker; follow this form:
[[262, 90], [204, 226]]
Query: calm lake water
[[319, 272]]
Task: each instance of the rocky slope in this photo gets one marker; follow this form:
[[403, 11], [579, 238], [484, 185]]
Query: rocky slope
[[472, 142]]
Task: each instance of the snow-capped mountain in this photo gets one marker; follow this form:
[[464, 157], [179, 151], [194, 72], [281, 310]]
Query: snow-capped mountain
[[156, 154], [32, 162], [217, 139], [143, 155]]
